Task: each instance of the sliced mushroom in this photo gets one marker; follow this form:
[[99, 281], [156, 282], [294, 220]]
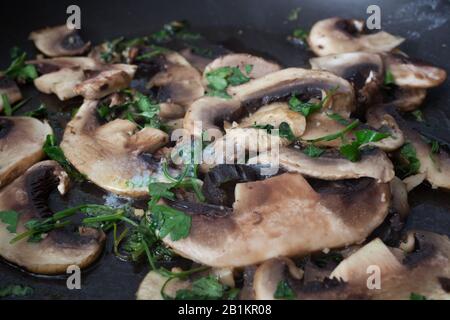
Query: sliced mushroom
[[51, 65], [424, 271], [434, 167], [197, 61], [59, 41], [406, 99], [259, 66], [284, 216], [113, 155], [387, 123], [363, 70], [330, 166], [306, 84], [399, 197], [274, 114], [109, 80], [170, 111], [61, 248], [412, 73], [62, 82], [177, 81], [208, 111], [21, 141], [338, 35], [10, 89], [150, 288]]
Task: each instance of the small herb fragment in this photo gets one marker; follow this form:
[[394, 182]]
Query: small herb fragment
[[418, 115], [409, 164], [284, 291], [10, 218], [352, 151], [6, 105], [389, 78], [307, 108], [220, 78], [416, 296], [293, 14], [40, 112], [298, 36], [15, 291], [19, 70], [313, 151]]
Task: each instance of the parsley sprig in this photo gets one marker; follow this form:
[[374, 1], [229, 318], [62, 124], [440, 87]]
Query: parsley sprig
[[221, 78]]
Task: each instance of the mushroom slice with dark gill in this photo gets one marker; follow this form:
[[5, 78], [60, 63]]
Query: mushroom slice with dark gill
[[306, 84], [404, 98], [113, 156], [362, 69], [258, 66], [21, 141], [284, 216], [434, 166], [9, 88], [337, 35], [330, 166], [59, 41], [44, 66], [175, 81], [60, 248], [412, 73]]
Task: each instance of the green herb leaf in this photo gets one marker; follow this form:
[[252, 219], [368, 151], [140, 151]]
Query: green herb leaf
[[305, 108], [416, 296], [161, 190], [298, 36], [6, 105], [21, 71], [389, 78], [248, 68], [338, 118], [339, 134], [352, 151], [409, 163], [313, 151], [435, 146], [11, 219], [418, 115], [286, 132], [293, 14], [284, 291], [15, 291], [40, 112], [220, 78], [206, 288], [171, 222]]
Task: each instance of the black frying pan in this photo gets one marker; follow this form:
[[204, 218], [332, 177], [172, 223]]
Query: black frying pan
[[258, 26]]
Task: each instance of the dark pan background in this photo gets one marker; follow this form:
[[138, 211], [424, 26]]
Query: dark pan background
[[258, 26]]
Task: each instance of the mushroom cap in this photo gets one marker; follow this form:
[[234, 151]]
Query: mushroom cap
[[112, 155], [305, 83], [337, 35], [21, 141], [412, 73], [425, 271], [407, 99], [51, 65], [60, 248], [197, 61], [59, 41], [260, 66], [62, 82], [329, 166], [10, 88], [209, 111], [285, 216]]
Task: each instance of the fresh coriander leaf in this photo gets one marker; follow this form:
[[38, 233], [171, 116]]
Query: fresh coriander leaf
[[409, 163], [416, 296], [293, 14], [248, 68], [267, 127], [339, 134], [11, 219], [338, 118], [284, 291], [40, 112], [435, 146], [217, 93], [286, 132], [298, 36], [155, 51], [351, 151], [305, 108], [418, 115], [205, 288], [111, 47], [313, 151], [171, 222], [237, 77], [6, 105], [15, 291], [389, 78], [21, 71], [161, 190]]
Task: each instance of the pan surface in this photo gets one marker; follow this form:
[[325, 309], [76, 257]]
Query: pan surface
[[258, 26]]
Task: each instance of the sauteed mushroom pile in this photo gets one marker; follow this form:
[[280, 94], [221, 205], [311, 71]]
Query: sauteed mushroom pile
[[238, 174]]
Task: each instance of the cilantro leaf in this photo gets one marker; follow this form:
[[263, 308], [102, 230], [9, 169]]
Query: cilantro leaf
[[205, 288], [11, 219], [305, 108], [19, 70], [352, 151], [15, 291], [161, 190], [171, 222], [298, 36], [416, 296], [248, 68], [409, 164], [313, 151], [220, 78], [286, 132], [418, 115], [389, 78], [40, 112], [6, 105], [293, 14], [284, 291]]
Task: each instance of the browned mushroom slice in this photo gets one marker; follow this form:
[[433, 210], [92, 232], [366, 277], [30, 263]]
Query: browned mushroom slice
[[434, 167], [28, 195], [330, 166], [170, 111], [406, 99], [197, 61], [284, 216], [114, 156], [338, 35], [424, 271], [21, 141], [362, 69], [412, 73], [51, 65], [259, 66], [177, 81], [207, 112], [113, 78], [10, 89], [62, 82], [304, 83], [59, 41]]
